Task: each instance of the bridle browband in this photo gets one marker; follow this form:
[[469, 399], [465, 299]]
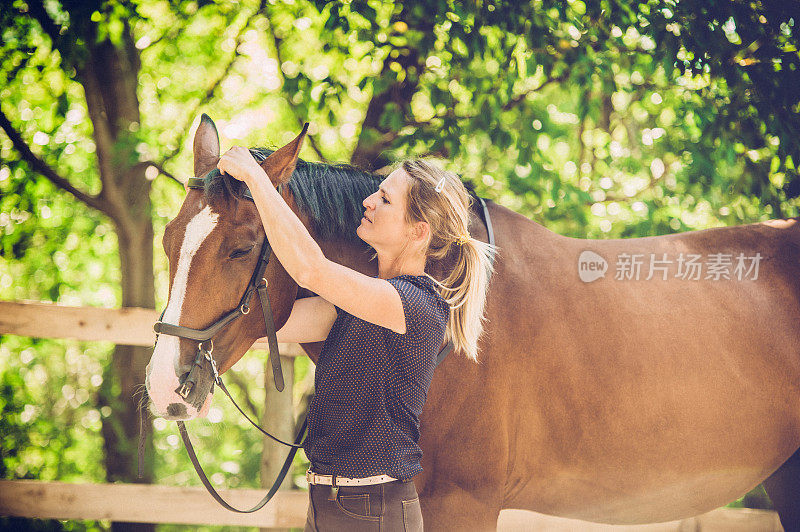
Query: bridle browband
[[258, 283]]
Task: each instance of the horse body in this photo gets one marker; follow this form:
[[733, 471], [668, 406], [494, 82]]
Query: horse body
[[614, 401], [620, 401], [609, 400]]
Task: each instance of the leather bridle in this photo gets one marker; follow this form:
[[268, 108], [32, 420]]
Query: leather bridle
[[258, 283]]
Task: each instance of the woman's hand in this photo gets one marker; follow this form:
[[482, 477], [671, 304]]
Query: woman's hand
[[239, 163]]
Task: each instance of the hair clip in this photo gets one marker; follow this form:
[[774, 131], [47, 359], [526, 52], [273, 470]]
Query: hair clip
[[440, 185]]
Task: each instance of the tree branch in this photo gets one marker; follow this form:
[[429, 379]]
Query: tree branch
[[41, 167], [167, 174], [276, 45], [213, 87], [161, 170], [520, 97]]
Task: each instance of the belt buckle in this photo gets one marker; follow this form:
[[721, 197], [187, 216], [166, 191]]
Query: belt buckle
[[309, 476]]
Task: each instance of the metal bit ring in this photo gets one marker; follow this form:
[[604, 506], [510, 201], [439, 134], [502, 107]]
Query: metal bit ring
[[210, 346]]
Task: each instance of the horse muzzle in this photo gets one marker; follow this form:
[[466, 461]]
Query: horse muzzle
[[180, 392]]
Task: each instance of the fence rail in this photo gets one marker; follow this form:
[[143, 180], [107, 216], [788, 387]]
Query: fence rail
[[126, 326], [145, 503]]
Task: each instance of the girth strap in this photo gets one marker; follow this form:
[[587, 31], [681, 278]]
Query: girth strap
[[489, 229], [446, 350]]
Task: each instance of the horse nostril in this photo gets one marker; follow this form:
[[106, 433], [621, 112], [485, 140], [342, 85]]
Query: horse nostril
[[176, 410]]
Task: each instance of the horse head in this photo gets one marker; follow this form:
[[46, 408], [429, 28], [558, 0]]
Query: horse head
[[213, 246]]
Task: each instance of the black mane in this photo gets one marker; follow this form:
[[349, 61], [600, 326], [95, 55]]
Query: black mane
[[331, 195]]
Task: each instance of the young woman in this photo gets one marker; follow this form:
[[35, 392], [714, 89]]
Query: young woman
[[382, 335]]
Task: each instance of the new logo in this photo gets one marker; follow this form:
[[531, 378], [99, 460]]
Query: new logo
[[591, 266]]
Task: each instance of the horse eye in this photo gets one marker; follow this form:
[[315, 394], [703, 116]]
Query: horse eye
[[240, 252]]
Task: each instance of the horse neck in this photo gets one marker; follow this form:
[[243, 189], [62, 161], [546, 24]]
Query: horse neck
[[354, 255], [358, 256]]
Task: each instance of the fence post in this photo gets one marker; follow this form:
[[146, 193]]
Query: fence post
[[279, 420]]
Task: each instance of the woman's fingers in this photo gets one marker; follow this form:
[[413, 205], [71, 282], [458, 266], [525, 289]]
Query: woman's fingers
[[239, 163]]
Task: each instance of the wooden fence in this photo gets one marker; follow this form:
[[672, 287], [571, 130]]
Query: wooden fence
[[149, 503], [143, 503], [127, 326]]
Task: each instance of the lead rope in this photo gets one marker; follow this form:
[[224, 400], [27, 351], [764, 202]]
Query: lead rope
[[141, 442], [264, 432]]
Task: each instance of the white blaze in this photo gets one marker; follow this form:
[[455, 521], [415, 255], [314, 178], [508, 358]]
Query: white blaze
[[162, 378]]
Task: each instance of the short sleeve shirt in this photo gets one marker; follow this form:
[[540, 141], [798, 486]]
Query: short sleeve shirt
[[371, 384]]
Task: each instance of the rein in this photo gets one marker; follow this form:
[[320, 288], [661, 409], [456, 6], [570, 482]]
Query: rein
[[187, 385]]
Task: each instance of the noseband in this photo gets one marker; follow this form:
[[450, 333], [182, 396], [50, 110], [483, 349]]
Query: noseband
[[258, 283]]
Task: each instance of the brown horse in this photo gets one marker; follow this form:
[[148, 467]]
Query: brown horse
[[619, 381]]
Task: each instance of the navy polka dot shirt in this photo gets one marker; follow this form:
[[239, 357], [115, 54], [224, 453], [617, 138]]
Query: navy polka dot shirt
[[371, 384]]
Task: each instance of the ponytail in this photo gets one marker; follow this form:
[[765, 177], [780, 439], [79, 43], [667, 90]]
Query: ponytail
[[465, 290], [440, 198]]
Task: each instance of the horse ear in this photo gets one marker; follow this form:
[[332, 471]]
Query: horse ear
[[206, 146], [280, 165]]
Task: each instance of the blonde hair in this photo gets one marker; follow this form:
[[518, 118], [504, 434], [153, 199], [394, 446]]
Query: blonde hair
[[440, 199]]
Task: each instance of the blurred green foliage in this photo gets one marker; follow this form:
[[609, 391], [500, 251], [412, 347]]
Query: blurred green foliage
[[601, 119]]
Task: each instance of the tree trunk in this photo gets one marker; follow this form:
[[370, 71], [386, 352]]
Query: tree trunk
[[109, 77], [125, 376]]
